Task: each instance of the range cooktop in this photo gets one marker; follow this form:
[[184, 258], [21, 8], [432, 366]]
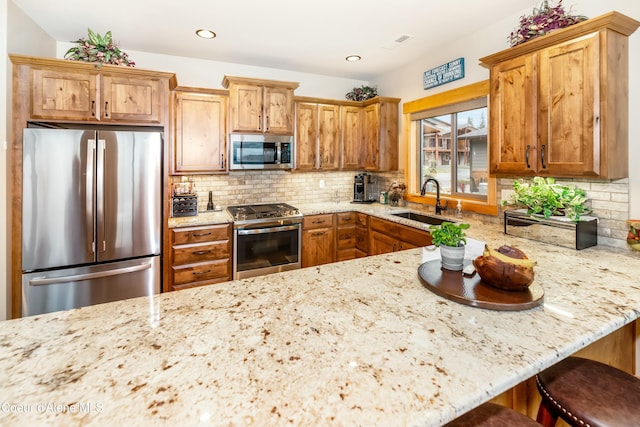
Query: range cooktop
[[260, 212]]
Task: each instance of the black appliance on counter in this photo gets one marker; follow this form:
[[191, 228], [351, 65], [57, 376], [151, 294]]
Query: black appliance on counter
[[266, 239], [362, 188]]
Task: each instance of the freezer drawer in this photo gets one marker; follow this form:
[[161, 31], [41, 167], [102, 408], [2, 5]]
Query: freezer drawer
[[49, 291]]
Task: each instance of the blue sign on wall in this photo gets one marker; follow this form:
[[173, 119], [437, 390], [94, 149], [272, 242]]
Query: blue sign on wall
[[446, 73]]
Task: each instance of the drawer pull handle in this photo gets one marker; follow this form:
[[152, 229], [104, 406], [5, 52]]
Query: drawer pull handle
[[199, 273], [201, 234], [202, 252], [318, 233]]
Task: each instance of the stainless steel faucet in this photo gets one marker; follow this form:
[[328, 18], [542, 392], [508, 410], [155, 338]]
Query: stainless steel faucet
[[439, 207]]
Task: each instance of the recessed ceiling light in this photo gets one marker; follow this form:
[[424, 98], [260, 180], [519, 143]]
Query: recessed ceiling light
[[353, 58], [206, 34]]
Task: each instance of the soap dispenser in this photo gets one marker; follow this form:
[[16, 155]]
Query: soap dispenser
[[459, 209]]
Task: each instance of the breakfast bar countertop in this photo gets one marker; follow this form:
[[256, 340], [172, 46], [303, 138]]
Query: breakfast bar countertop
[[360, 342]]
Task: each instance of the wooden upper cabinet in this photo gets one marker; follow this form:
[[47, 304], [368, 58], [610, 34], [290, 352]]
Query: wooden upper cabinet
[[352, 140], [317, 136], [306, 135], [60, 94], [200, 131], [559, 103], [75, 91], [371, 135], [380, 134], [264, 106], [132, 98]]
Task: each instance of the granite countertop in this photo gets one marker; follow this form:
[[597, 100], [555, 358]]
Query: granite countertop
[[360, 342]]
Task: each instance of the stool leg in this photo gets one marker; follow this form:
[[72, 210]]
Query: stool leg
[[546, 415]]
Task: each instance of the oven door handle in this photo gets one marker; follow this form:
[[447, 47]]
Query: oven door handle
[[264, 230]]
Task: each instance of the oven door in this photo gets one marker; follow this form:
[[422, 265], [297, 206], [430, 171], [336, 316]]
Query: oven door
[[266, 250]]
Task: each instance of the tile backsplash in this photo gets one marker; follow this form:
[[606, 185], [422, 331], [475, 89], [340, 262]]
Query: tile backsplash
[[608, 199]]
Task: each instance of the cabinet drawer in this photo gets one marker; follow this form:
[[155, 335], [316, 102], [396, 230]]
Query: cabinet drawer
[[200, 252], [346, 218], [182, 236], [346, 254], [413, 237], [346, 237], [401, 232], [317, 221], [220, 269], [362, 220]]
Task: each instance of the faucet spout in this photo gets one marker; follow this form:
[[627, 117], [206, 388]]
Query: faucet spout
[[439, 208]]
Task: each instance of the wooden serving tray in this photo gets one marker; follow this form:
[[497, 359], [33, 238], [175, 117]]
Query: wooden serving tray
[[474, 292]]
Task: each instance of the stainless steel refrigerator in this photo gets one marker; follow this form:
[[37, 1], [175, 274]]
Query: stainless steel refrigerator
[[91, 217]]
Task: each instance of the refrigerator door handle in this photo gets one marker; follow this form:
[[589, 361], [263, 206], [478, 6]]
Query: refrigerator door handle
[[90, 195], [88, 276], [100, 195]]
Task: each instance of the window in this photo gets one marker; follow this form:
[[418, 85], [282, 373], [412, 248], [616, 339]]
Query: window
[[452, 148], [447, 139]]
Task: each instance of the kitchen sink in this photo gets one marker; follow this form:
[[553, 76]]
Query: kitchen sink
[[427, 219]]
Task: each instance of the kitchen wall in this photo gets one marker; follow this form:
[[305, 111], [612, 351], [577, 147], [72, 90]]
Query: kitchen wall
[[18, 34], [613, 201], [283, 186]]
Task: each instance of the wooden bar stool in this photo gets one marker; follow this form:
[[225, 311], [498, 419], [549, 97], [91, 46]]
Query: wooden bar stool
[[584, 393], [492, 415]]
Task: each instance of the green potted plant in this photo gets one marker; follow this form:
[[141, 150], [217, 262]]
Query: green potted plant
[[98, 49], [451, 240], [543, 196]]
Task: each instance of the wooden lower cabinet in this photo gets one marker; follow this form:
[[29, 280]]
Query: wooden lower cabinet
[[362, 235], [387, 236], [318, 240], [200, 256], [346, 236]]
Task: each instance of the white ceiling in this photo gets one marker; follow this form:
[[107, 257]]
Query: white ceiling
[[298, 35]]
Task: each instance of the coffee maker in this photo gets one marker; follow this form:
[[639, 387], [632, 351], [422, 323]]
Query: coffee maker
[[361, 190]]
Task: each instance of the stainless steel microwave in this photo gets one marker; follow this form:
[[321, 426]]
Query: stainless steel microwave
[[260, 151]]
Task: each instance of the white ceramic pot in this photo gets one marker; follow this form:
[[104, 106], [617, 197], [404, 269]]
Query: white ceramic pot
[[452, 257]]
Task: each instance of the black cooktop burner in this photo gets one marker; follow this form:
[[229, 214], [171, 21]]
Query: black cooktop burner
[[247, 213]]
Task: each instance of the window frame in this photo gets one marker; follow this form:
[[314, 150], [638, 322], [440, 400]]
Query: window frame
[[412, 110]]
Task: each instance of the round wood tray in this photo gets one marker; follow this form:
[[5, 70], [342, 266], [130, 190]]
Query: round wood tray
[[474, 292]]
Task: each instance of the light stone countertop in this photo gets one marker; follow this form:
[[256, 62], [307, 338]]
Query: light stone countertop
[[359, 342]]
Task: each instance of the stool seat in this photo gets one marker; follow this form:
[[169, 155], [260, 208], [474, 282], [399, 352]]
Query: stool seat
[[492, 415], [584, 393]]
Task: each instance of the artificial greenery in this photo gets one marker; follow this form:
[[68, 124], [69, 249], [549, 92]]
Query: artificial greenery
[[543, 20], [543, 196], [98, 49], [362, 93], [448, 234]]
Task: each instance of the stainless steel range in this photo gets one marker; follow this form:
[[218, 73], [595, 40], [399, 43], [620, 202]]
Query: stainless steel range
[[266, 239]]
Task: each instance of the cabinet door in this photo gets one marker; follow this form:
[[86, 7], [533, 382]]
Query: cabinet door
[[318, 246], [200, 132], [352, 141], [371, 136], [329, 136], [278, 110], [306, 135], [246, 108], [569, 110], [513, 117], [60, 94], [131, 99], [380, 243]]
